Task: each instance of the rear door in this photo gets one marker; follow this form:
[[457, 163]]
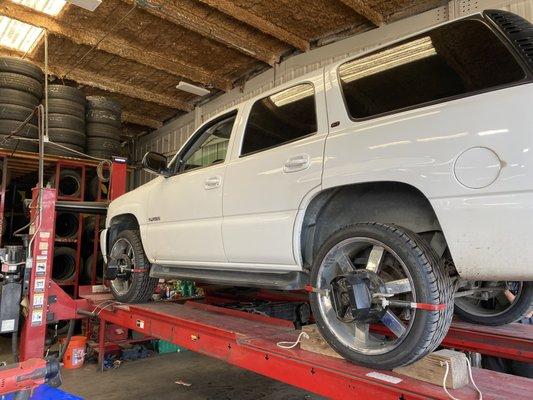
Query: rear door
[[277, 161]]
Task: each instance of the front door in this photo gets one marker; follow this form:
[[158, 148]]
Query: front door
[[276, 163], [185, 209]]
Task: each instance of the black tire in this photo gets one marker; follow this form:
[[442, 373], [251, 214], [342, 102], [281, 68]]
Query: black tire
[[17, 113], [58, 151], [22, 67], [96, 187], [65, 121], [64, 265], [142, 286], [103, 117], [62, 106], [67, 224], [26, 84], [28, 130], [18, 145], [66, 93], [102, 130], [431, 283], [520, 307], [68, 136], [88, 267], [19, 98], [109, 147], [69, 183], [103, 103]]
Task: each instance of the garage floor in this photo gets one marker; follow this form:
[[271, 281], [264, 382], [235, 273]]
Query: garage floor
[[155, 377]]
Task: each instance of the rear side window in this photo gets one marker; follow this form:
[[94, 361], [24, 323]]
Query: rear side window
[[280, 118], [456, 59]]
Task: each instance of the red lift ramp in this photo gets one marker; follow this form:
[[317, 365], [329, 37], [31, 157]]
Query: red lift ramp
[[250, 341]]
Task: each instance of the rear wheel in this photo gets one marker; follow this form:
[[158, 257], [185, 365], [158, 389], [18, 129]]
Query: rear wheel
[[493, 303], [132, 282], [367, 275]]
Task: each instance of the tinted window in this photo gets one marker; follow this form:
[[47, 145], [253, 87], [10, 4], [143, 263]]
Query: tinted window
[[455, 59], [280, 118], [210, 147]]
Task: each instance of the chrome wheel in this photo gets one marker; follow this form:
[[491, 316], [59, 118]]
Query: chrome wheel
[[123, 254], [388, 278]]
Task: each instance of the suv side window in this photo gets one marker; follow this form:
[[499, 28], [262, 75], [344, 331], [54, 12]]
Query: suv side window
[[210, 147], [280, 118], [456, 59]]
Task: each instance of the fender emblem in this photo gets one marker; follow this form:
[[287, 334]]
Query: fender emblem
[[154, 219]]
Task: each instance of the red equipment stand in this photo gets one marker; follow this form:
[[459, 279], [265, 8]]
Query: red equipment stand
[[250, 341]]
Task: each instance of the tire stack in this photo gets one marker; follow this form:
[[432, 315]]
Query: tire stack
[[103, 127], [21, 89], [66, 120]]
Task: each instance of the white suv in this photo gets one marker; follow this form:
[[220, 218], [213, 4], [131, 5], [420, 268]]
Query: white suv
[[379, 184]]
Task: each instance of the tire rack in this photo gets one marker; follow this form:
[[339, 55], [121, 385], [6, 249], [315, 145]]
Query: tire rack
[[77, 239], [22, 163]]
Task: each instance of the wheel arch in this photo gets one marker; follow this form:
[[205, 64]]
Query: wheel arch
[[385, 201], [119, 223]]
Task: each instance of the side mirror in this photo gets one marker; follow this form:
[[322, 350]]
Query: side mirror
[[155, 163]]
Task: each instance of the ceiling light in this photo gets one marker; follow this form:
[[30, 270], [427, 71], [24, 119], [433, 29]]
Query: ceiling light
[[89, 5], [187, 87], [18, 35], [50, 7]]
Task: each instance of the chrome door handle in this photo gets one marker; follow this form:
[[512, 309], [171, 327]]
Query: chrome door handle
[[296, 163], [212, 183]]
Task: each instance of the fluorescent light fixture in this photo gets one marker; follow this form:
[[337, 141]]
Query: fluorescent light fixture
[[89, 5], [292, 94], [50, 7], [18, 35], [387, 59], [189, 88]]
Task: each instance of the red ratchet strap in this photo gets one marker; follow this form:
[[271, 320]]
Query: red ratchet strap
[[429, 307], [138, 270]]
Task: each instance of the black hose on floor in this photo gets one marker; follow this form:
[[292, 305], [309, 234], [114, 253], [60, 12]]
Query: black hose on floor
[[70, 332]]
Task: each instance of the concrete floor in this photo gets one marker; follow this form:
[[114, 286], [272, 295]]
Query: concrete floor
[[155, 377]]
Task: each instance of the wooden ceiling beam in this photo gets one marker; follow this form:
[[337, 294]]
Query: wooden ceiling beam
[[366, 10], [137, 119], [113, 44], [243, 15], [103, 83], [234, 36]]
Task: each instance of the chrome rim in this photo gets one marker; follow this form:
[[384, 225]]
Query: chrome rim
[[489, 299], [123, 254], [365, 253]]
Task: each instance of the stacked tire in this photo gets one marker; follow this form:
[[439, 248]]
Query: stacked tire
[[66, 120], [21, 88], [103, 127]]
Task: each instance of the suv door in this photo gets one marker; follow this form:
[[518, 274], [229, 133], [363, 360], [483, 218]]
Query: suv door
[[185, 209], [277, 162]]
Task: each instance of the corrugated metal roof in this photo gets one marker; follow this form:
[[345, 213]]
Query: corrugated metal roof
[[18, 35]]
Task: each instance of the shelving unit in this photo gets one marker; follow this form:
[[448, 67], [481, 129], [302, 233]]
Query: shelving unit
[[24, 166]]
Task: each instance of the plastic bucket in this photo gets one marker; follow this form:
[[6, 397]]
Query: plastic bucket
[[75, 354]]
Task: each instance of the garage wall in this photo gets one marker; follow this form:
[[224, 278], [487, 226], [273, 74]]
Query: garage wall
[[169, 138]]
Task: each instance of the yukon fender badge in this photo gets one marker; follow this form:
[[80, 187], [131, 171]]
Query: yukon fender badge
[[154, 219]]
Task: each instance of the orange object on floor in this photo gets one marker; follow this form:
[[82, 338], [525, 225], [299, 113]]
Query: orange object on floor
[[75, 354]]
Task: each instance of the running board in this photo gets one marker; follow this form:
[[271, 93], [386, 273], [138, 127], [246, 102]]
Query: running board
[[280, 281]]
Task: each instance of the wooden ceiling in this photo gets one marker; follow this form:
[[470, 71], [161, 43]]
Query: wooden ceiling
[[138, 50]]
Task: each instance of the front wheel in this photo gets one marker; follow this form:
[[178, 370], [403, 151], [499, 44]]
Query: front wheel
[[132, 282], [493, 303], [366, 276]]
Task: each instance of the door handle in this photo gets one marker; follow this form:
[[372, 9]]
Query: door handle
[[296, 163], [212, 183]]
